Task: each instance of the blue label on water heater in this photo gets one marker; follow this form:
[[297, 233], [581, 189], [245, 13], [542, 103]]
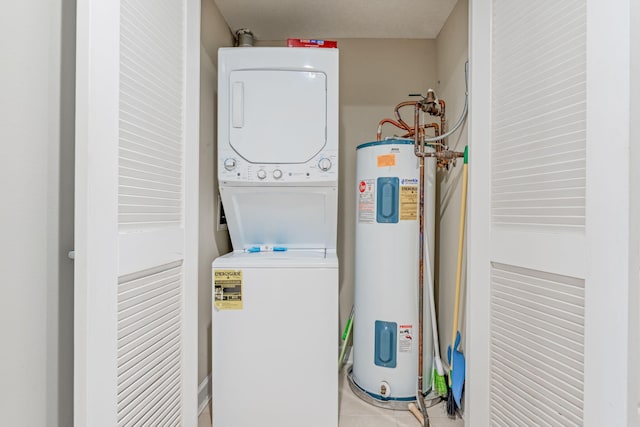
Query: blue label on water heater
[[385, 344], [387, 200]]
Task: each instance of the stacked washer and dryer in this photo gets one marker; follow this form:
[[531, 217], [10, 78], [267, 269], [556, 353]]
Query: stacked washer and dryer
[[275, 308]]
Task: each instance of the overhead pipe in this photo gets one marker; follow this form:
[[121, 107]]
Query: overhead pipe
[[244, 38]]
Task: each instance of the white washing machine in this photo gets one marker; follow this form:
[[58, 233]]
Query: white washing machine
[[275, 309]]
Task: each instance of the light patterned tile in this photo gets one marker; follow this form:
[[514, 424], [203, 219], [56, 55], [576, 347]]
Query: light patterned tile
[[406, 419], [438, 411], [350, 404], [354, 412], [384, 420], [446, 422]]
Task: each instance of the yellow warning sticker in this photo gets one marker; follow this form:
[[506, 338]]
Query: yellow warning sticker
[[408, 202], [227, 289], [386, 160]]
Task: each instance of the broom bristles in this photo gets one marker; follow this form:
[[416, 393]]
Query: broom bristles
[[451, 404], [438, 383]]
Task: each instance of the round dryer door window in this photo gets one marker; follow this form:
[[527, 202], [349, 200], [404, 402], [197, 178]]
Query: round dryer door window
[[277, 116]]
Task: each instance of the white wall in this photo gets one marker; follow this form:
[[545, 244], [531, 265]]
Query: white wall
[[212, 242], [215, 34], [452, 53], [37, 41], [634, 250]]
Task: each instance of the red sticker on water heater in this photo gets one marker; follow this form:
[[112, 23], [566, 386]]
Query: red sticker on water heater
[[366, 201]]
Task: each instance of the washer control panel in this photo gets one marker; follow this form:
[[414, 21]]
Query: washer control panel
[[233, 168]]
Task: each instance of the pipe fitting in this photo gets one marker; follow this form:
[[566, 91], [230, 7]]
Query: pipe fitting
[[244, 38]]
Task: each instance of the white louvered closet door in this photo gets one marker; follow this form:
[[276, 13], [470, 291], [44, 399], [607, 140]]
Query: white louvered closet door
[[548, 316], [136, 213]]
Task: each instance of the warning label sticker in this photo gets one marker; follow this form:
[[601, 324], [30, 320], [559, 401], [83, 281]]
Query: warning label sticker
[[385, 160], [227, 289], [408, 202], [366, 201], [405, 338]]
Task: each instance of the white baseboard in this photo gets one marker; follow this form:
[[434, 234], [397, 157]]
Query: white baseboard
[[204, 394]]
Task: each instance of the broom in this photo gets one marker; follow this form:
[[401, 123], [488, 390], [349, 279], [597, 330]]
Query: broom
[[346, 335], [438, 381], [451, 401]]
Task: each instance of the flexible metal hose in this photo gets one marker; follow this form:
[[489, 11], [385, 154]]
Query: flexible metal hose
[[464, 110]]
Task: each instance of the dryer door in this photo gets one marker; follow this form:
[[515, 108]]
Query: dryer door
[[277, 116]]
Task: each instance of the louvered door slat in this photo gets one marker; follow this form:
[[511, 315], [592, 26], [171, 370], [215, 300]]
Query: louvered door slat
[[149, 343], [533, 353], [538, 107]]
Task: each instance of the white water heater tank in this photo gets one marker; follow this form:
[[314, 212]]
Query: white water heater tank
[[385, 334]]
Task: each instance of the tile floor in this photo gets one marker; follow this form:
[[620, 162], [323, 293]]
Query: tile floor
[[356, 413]]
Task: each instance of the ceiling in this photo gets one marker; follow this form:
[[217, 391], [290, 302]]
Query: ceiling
[[333, 19]]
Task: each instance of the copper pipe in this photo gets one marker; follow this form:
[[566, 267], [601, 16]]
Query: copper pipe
[[400, 123], [442, 119], [397, 112], [442, 107], [441, 155], [408, 134], [433, 107], [419, 150], [382, 122], [432, 125]]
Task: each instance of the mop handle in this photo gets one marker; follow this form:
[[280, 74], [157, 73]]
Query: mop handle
[[463, 208], [432, 295]]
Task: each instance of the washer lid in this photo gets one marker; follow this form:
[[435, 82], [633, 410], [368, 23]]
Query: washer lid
[[281, 216], [277, 116]]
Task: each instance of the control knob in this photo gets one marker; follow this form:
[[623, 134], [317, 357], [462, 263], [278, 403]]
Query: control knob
[[230, 164], [262, 174], [277, 174], [324, 164]]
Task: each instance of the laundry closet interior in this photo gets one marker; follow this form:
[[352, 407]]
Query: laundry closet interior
[[387, 56]]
